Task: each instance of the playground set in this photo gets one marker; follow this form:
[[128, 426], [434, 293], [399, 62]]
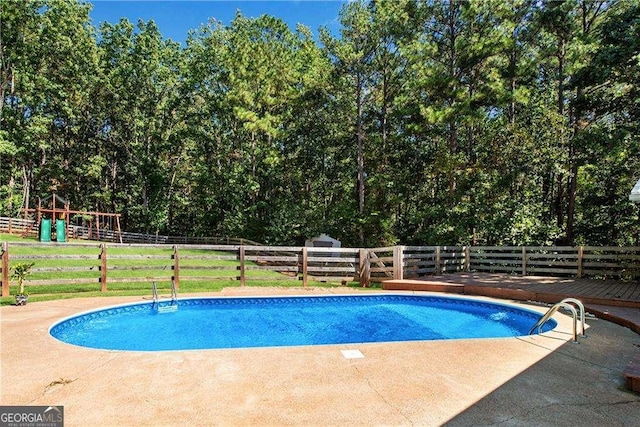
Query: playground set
[[52, 218]]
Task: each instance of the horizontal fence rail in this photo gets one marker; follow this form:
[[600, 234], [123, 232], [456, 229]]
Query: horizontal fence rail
[[111, 266]]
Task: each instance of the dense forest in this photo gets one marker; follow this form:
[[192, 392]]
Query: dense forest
[[421, 122]]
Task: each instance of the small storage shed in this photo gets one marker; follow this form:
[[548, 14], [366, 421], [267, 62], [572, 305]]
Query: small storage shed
[[634, 196], [323, 241]]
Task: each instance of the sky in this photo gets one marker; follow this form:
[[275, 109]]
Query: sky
[[175, 18]]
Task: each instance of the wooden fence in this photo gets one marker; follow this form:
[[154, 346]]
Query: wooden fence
[[115, 264], [107, 235], [572, 261], [20, 226], [99, 267], [15, 225]]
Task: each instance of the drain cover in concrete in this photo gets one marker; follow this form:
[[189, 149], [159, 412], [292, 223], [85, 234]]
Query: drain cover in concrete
[[352, 354]]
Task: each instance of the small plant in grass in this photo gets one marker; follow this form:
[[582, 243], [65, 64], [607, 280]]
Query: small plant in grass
[[20, 272]]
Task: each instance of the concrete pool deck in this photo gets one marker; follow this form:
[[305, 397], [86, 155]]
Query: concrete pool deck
[[538, 380]]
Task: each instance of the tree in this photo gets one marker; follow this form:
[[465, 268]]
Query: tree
[[137, 149], [569, 27], [252, 78], [608, 97], [368, 79], [48, 64]]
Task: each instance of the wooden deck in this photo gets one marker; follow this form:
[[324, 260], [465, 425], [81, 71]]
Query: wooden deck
[[535, 288]]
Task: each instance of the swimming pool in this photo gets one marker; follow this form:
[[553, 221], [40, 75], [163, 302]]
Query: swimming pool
[[208, 323]]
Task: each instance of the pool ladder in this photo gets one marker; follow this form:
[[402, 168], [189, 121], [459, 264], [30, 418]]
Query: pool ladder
[[173, 306], [565, 303]]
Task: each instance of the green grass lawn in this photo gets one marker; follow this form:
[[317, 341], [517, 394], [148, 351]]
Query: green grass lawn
[[73, 270], [6, 237]]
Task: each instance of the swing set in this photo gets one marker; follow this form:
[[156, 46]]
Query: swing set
[[97, 225]]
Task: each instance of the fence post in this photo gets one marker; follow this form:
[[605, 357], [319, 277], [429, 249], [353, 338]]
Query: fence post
[[103, 268], [364, 268], [438, 265], [5, 269], [305, 264], [467, 259], [241, 259], [398, 262], [10, 228], [176, 266], [581, 260], [524, 260]]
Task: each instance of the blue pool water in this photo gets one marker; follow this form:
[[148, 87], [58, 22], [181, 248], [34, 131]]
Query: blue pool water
[[206, 323]]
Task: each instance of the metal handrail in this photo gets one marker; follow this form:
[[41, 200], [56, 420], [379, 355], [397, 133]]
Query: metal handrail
[[154, 291], [174, 292], [173, 306], [581, 311], [551, 312]]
